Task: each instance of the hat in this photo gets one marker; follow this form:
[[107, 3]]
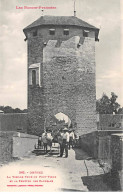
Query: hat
[[48, 130], [65, 129], [70, 130]]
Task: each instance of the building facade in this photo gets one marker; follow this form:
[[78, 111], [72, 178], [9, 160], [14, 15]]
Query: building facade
[[61, 72]]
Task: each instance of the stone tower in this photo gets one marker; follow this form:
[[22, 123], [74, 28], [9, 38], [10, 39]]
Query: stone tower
[[61, 72]]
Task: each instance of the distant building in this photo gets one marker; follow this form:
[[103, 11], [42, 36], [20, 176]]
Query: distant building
[[110, 122], [1, 112], [61, 71]]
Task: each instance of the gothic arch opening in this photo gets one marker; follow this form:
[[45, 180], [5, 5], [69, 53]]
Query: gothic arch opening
[[57, 121]]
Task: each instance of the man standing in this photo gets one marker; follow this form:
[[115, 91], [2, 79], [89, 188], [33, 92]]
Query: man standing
[[60, 140], [44, 140], [71, 140], [65, 143], [49, 139], [39, 141]]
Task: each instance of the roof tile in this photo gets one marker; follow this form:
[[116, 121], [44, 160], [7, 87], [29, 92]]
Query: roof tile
[[60, 20]]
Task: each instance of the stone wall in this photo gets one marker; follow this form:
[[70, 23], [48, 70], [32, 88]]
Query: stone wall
[[13, 122], [89, 143], [23, 144], [117, 151], [67, 79], [117, 159], [98, 144], [6, 143], [110, 122], [107, 148], [15, 144], [35, 93]]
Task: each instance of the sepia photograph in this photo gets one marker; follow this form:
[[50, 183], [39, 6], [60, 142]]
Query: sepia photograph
[[61, 96]]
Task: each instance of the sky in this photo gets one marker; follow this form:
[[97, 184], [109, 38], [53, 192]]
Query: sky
[[105, 15]]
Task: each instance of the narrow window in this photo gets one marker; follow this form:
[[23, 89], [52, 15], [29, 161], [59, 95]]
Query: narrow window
[[66, 32], [52, 31], [34, 74], [109, 125], [33, 77], [35, 33], [113, 125]]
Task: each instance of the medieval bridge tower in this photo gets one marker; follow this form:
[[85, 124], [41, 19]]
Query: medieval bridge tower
[[61, 71]]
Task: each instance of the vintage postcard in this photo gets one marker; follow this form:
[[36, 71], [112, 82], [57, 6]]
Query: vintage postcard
[[61, 96]]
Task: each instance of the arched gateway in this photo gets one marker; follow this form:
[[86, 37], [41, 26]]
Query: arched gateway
[[61, 71]]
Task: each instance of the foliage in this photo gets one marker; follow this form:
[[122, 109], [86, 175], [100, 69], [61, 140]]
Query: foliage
[[120, 111], [9, 109], [106, 105]]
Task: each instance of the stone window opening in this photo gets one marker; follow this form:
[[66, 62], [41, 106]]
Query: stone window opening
[[85, 33], [114, 125], [34, 75], [52, 31], [118, 125], [63, 77], [35, 33], [66, 32]]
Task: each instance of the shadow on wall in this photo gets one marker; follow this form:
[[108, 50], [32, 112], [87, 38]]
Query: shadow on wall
[[103, 182], [79, 154]]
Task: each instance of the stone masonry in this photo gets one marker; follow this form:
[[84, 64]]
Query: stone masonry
[[67, 77]]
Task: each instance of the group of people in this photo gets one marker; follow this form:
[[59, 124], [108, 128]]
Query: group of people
[[65, 137]]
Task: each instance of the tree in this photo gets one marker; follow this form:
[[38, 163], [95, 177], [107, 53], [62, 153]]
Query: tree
[[17, 110], [114, 106], [106, 105], [9, 109], [120, 111], [25, 111]]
